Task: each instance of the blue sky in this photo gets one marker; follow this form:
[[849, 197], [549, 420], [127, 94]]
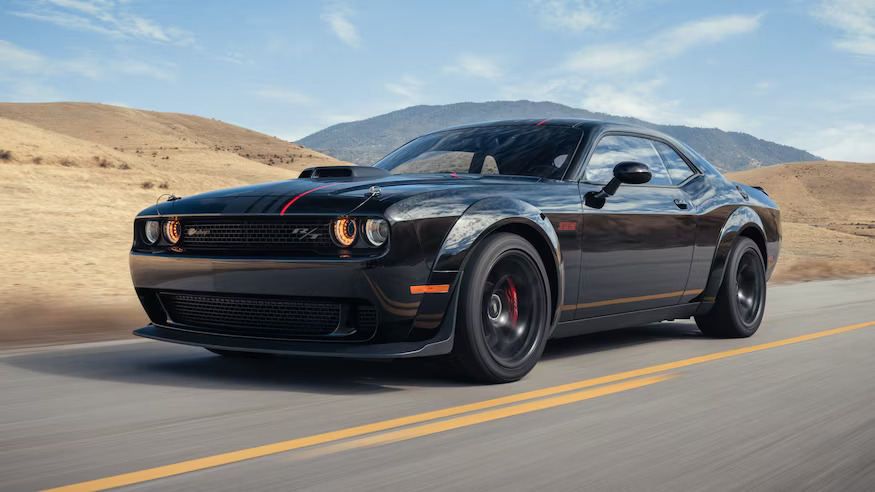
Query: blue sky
[[796, 72]]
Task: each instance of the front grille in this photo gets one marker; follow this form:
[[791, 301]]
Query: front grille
[[265, 317], [253, 234]]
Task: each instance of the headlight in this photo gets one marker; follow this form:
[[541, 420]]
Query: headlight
[[344, 232], [376, 231], [172, 231], [152, 231]]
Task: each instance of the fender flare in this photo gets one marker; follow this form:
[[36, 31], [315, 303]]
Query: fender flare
[[486, 216], [741, 219]]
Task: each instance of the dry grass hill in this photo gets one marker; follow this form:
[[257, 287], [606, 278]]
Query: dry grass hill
[[828, 217], [73, 175]]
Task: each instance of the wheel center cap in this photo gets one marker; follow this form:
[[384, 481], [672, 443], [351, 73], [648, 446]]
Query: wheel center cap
[[494, 309]]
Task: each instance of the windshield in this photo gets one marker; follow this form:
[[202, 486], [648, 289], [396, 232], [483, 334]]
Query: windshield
[[541, 151]]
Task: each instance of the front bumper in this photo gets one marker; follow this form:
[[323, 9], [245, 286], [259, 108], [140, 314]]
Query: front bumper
[[408, 324], [440, 344]]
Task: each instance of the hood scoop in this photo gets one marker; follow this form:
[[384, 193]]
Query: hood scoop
[[343, 172]]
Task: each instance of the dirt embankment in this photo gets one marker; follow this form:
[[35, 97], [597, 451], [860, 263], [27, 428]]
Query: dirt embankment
[[828, 217]]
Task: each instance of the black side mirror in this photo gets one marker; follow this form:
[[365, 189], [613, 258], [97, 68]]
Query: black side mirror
[[625, 172]]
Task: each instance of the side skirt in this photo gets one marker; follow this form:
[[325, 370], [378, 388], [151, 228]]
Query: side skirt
[[624, 320]]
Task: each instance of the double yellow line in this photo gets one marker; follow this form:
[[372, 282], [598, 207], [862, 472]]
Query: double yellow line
[[493, 413]]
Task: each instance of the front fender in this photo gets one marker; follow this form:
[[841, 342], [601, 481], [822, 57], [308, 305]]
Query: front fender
[[478, 221], [485, 216], [740, 219]]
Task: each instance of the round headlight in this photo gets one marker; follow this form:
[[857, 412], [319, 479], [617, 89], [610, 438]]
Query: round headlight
[[344, 232], [172, 231], [152, 231], [376, 231]]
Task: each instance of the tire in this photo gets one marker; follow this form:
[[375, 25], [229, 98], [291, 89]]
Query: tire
[[504, 311], [741, 300], [237, 354]]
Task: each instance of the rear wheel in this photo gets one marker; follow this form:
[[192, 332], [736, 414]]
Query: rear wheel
[[503, 311], [741, 300]]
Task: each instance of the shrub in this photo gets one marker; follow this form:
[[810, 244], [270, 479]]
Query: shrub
[[102, 162], [37, 160], [147, 185], [5, 155], [124, 167], [67, 162], [165, 185]]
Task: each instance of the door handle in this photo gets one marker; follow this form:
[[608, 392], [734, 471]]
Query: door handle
[[682, 204]]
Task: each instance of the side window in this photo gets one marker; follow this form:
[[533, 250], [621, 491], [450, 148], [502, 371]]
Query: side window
[[678, 169], [614, 149]]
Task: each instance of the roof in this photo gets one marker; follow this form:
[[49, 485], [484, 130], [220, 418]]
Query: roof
[[567, 122]]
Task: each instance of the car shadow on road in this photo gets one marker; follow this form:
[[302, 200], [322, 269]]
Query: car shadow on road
[[172, 365]]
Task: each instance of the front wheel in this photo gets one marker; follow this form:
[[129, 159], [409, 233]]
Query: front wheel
[[741, 300], [503, 310]]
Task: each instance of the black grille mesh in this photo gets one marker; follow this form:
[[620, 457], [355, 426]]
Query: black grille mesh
[[252, 315], [256, 234], [266, 317]]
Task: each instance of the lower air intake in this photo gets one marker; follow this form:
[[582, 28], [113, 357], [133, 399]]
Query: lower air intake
[[267, 317]]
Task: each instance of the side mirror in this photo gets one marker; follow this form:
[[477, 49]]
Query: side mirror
[[625, 172], [632, 173]]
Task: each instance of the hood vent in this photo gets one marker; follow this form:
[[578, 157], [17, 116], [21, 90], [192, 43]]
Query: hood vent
[[343, 172]]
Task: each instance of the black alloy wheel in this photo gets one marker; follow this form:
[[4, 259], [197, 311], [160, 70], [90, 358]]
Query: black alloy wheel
[[503, 310], [510, 305], [740, 304], [749, 287]]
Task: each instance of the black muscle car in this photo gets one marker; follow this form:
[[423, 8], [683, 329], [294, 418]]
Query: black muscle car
[[476, 243]]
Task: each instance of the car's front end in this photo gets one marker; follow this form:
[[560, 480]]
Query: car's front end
[[349, 261], [319, 266]]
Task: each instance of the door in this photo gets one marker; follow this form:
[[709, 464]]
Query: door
[[637, 248]]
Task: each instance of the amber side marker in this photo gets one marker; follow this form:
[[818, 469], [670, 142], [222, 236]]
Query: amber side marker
[[430, 289]]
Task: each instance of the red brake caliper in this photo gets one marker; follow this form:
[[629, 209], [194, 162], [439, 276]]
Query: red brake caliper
[[512, 299]]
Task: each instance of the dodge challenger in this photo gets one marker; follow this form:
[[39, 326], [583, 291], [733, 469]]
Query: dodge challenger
[[474, 244]]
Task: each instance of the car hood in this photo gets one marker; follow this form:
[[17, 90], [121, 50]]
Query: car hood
[[327, 195]]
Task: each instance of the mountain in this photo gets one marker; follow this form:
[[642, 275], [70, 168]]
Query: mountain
[[366, 141]]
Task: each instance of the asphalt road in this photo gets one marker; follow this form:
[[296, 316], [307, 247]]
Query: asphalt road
[[798, 414]]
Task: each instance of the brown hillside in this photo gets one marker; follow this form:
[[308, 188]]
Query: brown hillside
[[828, 215], [73, 176], [155, 135]]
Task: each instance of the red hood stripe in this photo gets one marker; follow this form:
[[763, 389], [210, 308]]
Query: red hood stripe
[[293, 200]]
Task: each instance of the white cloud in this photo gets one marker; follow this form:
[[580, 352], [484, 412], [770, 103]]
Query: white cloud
[[642, 101], [763, 86], [105, 17], [337, 16], [663, 46], [856, 20], [409, 88], [233, 56], [553, 89], [635, 100], [16, 59], [851, 142], [19, 63], [577, 15], [475, 66], [282, 95], [29, 90]]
